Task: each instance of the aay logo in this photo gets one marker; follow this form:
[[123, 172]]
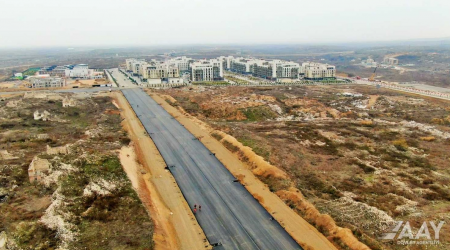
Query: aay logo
[[407, 237]]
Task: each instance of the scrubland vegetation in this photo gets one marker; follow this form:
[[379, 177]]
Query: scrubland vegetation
[[84, 200], [366, 160]]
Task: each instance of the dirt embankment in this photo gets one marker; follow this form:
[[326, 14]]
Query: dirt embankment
[[294, 196], [303, 232], [175, 225]]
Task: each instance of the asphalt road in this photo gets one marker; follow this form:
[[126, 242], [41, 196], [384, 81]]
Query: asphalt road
[[121, 79], [230, 215]]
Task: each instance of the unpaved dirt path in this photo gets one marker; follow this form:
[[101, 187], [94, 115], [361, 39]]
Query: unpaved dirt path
[[373, 99], [175, 225], [303, 232]]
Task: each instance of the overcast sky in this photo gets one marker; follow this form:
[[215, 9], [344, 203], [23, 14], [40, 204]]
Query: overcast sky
[[32, 23]]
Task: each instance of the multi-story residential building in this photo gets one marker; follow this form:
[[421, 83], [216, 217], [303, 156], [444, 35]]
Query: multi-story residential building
[[262, 69], [286, 69], [47, 82], [275, 69], [317, 71], [182, 63], [156, 72], [226, 62], [269, 69], [391, 61], [134, 65], [217, 69], [242, 65], [128, 63], [144, 69], [206, 70], [212, 70]]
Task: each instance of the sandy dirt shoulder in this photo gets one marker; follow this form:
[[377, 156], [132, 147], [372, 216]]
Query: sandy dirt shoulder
[[303, 232], [175, 225]]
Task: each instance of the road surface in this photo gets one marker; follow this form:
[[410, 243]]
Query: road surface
[[121, 79], [230, 216]]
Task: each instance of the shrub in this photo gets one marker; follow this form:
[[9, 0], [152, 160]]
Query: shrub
[[230, 146], [259, 113], [217, 136], [428, 138], [401, 144]]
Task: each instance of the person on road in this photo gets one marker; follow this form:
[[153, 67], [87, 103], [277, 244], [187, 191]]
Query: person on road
[[199, 207], [195, 206], [195, 210]]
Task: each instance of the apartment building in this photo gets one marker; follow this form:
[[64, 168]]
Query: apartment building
[[286, 69], [242, 65], [213, 69], [391, 61], [182, 63], [206, 70], [47, 82], [275, 69], [317, 71], [154, 72], [134, 65], [268, 69], [226, 62]]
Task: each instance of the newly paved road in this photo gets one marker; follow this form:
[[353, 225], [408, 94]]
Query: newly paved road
[[230, 215]]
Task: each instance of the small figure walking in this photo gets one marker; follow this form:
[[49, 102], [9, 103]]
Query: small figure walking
[[195, 206], [195, 210], [199, 207]]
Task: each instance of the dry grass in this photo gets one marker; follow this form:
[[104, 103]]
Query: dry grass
[[367, 152]]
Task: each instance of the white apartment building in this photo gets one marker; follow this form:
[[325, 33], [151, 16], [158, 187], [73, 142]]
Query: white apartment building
[[47, 82], [391, 61], [134, 65], [317, 71], [242, 65], [206, 70], [155, 72], [226, 62], [284, 69], [182, 63], [269, 69]]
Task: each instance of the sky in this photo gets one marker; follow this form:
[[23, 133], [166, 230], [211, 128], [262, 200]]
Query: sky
[[47, 23]]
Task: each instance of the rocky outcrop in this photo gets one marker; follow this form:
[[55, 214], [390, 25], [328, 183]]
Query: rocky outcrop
[[45, 115], [63, 150], [69, 102], [38, 169]]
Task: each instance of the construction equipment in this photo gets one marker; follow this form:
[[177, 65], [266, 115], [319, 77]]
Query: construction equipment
[[372, 77]]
